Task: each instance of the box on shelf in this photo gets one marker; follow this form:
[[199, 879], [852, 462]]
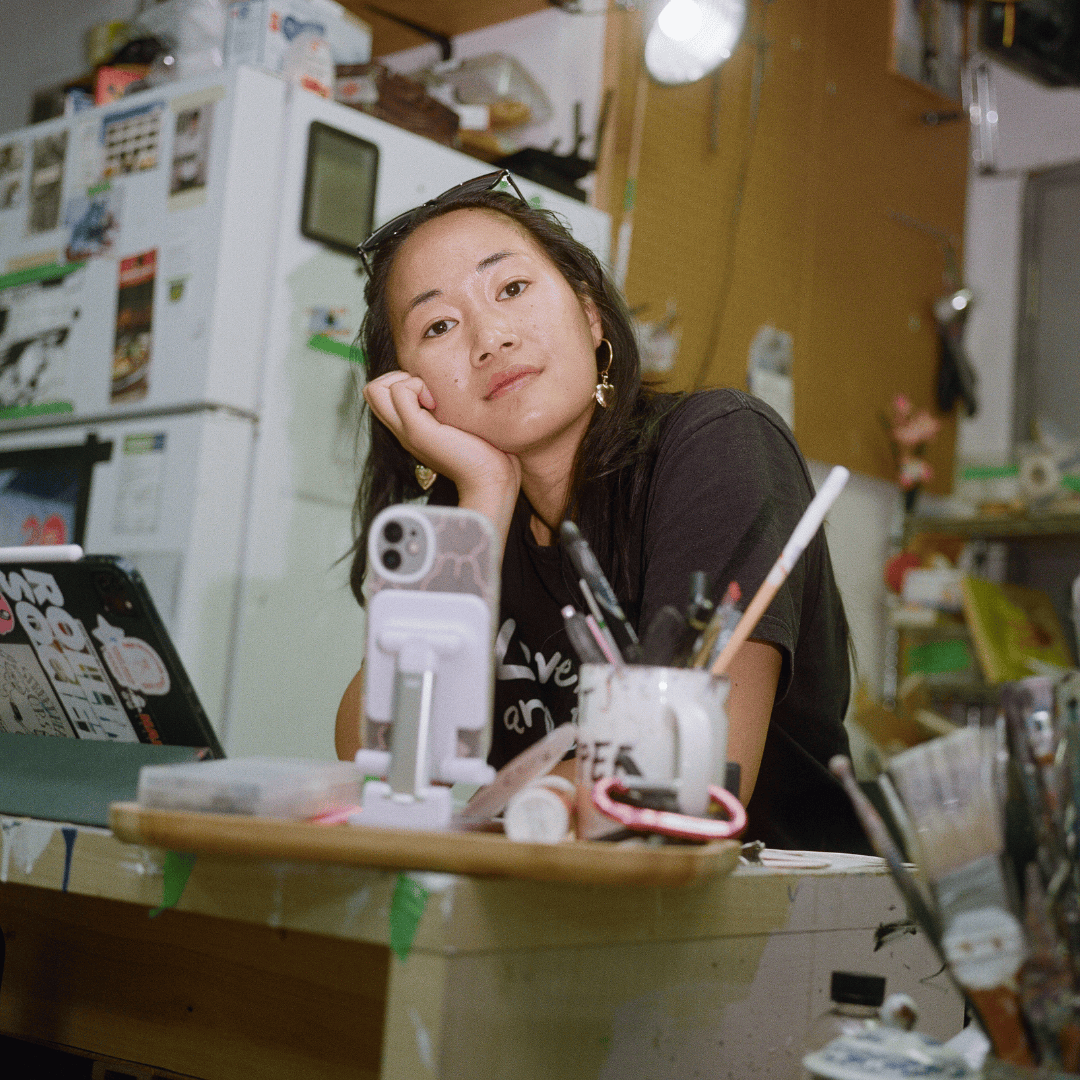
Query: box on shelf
[[290, 788], [260, 33]]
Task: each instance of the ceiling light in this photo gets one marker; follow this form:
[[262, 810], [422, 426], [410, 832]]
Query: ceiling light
[[689, 38]]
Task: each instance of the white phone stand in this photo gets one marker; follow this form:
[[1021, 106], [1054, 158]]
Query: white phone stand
[[428, 671]]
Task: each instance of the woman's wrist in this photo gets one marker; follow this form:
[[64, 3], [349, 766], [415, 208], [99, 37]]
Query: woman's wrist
[[496, 501]]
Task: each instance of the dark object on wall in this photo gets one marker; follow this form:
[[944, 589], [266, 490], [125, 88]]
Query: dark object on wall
[[384, 94], [956, 376], [1039, 37]]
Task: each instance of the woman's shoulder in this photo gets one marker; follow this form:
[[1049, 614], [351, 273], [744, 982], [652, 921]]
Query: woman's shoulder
[[722, 408]]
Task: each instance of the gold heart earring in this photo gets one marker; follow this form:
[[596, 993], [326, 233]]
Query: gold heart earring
[[425, 477], [605, 391]]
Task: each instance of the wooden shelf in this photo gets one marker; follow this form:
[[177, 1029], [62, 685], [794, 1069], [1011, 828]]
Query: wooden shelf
[[450, 19], [582, 862], [995, 528]]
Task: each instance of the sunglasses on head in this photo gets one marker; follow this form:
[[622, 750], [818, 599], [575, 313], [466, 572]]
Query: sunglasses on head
[[478, 184]]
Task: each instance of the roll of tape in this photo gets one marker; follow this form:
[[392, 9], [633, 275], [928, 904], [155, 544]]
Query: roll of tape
[[541, 812], [1039, 477]]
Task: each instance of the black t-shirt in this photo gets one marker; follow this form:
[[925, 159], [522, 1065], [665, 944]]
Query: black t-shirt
[[728, 486]]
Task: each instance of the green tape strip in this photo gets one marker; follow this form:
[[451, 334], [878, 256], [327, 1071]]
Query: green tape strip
[[1071, 482], [39, 273], [629, 194], [178, 867], [17, 412], [406, 908], [988, 472], [325, 343], [938, 657]]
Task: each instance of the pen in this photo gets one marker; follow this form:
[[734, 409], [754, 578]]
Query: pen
[[581, 636], [607, 639], [588, 568], [611, 655]]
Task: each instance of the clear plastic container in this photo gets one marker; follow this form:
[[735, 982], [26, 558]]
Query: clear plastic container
[[287, 788], [499, 82]]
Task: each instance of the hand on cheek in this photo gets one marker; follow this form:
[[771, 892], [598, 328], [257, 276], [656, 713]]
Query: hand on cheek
[[487, 479]]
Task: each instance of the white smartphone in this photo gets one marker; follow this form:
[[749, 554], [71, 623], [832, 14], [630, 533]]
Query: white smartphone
[[429, 549]]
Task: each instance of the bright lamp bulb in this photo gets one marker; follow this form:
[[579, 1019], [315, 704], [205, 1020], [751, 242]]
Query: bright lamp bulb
[[681, 19], [688, 38]]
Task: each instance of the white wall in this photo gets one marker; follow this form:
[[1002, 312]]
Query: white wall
[[42, 44]]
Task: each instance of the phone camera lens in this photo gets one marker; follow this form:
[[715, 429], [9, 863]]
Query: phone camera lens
[[393, 532], [391, 559]]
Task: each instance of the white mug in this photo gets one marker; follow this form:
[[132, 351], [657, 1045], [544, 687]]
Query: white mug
[[660, 729]]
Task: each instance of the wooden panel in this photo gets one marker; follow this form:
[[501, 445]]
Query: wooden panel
[[582, 862], [787, 222], [207, 997], [445, 18], [868, 324]]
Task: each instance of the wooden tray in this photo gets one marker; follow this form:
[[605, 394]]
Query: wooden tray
[[582, 862]]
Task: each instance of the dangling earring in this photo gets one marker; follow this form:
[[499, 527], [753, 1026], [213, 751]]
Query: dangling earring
[[425, 477], [605, 391]]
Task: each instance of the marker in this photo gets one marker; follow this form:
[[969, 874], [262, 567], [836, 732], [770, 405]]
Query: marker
[[610, 645], [581, 636], [611, 655], [588, 568]]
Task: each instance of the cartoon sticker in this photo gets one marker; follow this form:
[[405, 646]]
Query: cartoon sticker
[[37, 321], [7, 619], [28, 705], [132, 662], [94, 220]]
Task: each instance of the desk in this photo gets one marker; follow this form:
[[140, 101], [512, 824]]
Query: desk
[[270, 970]]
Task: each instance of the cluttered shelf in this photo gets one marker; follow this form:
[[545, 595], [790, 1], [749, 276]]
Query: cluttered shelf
[[994, 527], [974, 602]]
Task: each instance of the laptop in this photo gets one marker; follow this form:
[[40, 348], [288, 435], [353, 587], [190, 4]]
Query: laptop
[[87, 666]]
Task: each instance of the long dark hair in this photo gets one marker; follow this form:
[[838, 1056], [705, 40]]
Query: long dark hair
[[610, 471]]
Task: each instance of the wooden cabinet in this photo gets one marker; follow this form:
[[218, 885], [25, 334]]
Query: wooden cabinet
[[781, 192], [449, 19]]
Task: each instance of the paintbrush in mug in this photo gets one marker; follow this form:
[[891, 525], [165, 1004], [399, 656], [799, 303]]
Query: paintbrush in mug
[[585, 564], [672, 635], [663, 636], [950, 790], [808, 524], [721, 626]]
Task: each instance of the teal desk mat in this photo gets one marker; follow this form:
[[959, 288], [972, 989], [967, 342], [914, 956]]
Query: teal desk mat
[[75, 779]]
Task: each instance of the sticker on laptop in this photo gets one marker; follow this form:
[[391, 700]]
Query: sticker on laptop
[[131, 661]]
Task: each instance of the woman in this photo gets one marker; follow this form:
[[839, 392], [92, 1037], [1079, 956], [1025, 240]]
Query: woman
[[501, 359]]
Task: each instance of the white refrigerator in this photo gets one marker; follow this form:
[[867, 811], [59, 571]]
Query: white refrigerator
[[175, 379]]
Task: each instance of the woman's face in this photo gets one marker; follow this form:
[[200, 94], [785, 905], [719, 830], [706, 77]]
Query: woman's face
[[504, 344]]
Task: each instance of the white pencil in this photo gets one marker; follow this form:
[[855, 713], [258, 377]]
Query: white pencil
[[809, 524]]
